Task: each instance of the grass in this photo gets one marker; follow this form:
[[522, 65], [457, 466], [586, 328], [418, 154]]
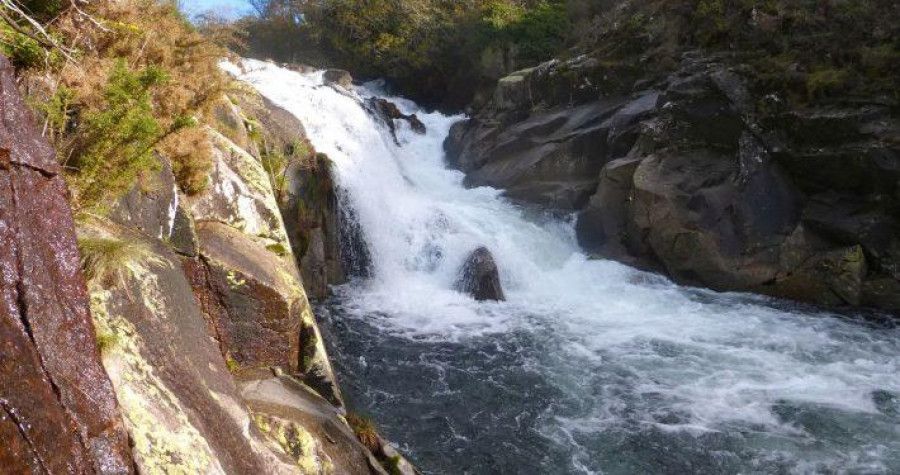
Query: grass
[[110, 261]]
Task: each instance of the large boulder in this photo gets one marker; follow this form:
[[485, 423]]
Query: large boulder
[[251, 297], [480, 278], [58, 410], [247, 277]]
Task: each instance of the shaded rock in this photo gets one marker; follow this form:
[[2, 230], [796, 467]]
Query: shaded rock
[[151, 206], [882, 293], [602, 226], [312, 221], [699, 178], [58, 411], [832, 278], [338, 77], [553, 157], [480, 278]]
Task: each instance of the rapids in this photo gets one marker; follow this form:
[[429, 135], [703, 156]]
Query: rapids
[[590, 366]]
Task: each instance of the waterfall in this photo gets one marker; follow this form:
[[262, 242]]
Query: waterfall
[[589, 366]]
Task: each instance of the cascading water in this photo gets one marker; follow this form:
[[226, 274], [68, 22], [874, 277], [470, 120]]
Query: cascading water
[[590, 366]]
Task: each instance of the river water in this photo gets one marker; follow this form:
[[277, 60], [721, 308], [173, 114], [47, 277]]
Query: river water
[[590, 366]]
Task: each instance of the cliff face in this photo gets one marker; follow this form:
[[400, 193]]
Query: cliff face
[[700, 177], [214, 351], [58, 411], [193, 347]]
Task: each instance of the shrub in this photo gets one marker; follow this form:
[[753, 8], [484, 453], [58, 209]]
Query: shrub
[[115, 142], [141, 77]]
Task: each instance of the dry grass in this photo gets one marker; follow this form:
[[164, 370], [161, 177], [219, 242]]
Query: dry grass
[[365, 431], [111, 261]]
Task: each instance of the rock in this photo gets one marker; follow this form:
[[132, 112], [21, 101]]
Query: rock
[[181, 406], [251, 298], [313, 224], [602, 225], [239, 195], [338, 77], [58, 411], [151, 207], [388, 112], [304, 425], [883, 293], [553, 158], [832, 278], [230, 123], [698, 178], [480, 278]]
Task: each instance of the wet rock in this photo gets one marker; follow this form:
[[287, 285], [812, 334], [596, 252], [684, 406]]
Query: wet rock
[[602, 225], [480, 278], [313, 224], [58, 411], [338, 77], [388, 113]]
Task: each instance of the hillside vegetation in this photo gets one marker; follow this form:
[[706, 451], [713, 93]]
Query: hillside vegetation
[[115, 82], [444, 53]]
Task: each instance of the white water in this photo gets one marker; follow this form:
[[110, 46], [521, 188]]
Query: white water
[[721, 362]]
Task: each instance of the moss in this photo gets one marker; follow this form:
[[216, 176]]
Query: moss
[[826, 82], [232, 365]]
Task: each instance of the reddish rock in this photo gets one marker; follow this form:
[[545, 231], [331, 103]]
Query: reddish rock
[[250, 298], [54, 392]]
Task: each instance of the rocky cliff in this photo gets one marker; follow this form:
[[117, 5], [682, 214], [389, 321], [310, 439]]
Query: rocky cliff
[[193, 347], [698, 175]]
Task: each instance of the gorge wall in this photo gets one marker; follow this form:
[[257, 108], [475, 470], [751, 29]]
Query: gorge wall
[[697, 175]]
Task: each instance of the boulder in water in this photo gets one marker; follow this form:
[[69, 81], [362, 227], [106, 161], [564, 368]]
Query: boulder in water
[[480, 278], [338, 77], [388, 112]]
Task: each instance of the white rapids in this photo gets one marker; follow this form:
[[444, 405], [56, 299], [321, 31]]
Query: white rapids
[[798, 391]]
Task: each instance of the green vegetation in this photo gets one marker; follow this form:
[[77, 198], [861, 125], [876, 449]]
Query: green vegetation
[[111, 261], [444, 53], [807, 50], [435, 50]]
